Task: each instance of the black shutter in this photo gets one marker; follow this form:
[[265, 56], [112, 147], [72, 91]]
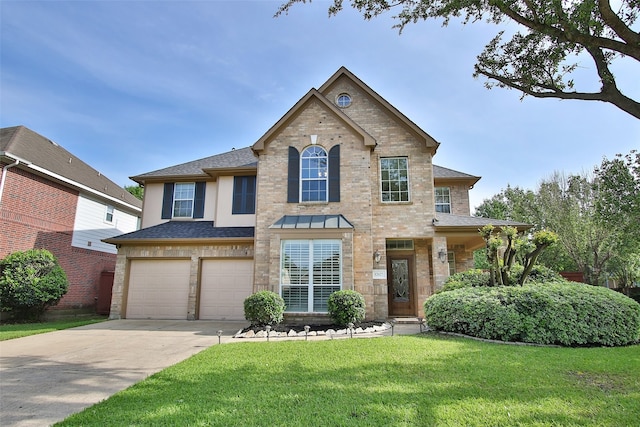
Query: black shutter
[[250, 197], [293, 187], [167, 200], [334, 174], [198, 201]]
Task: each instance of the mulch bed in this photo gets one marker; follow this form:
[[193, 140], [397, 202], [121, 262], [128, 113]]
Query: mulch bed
[[286, 327]]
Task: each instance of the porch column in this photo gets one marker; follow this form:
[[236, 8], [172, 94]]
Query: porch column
[[440, 269]]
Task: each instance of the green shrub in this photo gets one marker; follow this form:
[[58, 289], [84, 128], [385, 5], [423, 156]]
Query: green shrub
[[539, 274], [466, 279], [565, 313], [346, 306], [264, 308], [31, 281]]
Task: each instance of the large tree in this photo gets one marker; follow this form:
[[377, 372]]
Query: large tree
[[618, 209], [554, 37]]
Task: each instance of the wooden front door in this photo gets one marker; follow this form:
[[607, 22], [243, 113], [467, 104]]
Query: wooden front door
[[401, 284]]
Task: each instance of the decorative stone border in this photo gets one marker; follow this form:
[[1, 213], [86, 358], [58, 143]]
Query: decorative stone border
[[328, 333]]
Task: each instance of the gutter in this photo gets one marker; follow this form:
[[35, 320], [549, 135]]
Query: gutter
[[4, 176]]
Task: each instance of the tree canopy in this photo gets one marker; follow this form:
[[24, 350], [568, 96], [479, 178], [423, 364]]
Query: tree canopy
[[553, 38], [596, 217]]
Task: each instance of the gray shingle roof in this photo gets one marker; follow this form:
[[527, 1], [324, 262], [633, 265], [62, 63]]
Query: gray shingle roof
[[242, 157], [442, 172], [312, 221], [450, 220], [46, 154], [184, 230]]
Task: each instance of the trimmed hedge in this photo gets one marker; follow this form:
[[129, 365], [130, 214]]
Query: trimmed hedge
[[565, 313], [346, 306], [264, 308]]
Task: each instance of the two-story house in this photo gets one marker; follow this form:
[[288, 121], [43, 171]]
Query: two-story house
[[340, 193], [50, 199]]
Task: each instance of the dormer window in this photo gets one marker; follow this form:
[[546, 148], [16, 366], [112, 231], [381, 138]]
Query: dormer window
[[314, 174], [443, 199]]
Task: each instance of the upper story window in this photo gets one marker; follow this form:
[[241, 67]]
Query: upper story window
[[443, 199], [108, 216], [244, 195], [314, 174], [394, 179], [183, 200], [183, 196], [343, 100]]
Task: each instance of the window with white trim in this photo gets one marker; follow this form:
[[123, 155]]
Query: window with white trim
[[314, 174], [443, 199], [108, 216], [394, 179], [310, 271], [183, 197]]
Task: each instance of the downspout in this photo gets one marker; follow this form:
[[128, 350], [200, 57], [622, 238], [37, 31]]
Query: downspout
[[4, 176]]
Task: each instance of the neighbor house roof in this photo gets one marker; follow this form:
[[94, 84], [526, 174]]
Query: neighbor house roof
[[242, 158], [183, 231], [42, 156]]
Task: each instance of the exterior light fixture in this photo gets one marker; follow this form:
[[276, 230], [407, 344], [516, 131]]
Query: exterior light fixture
[[268, 329], [392, 322], [420, 320], [219, 335], [306, 331], [442, 255], [377, 256], [350, 325]]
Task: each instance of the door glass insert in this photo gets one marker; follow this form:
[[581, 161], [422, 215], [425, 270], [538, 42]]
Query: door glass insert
[[400, 285]]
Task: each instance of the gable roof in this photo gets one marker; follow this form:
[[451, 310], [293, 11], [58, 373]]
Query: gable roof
[[343, 72], [446, 174], [44, 157], [294, 111], [241, 159]]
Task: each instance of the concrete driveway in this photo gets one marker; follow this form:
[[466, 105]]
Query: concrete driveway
[[45, 378]]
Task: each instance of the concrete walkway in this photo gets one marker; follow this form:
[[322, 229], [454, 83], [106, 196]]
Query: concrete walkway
[[45, 378]]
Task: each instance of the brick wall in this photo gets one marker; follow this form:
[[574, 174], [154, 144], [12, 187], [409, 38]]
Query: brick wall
[[37, 213]]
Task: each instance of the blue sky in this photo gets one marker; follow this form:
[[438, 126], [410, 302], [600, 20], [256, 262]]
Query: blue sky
[[134, 86]]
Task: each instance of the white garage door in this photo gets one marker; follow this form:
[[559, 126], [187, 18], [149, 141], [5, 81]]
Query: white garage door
[[224, 286], [158, 289]]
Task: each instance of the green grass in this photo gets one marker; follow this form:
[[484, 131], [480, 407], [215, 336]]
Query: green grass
[[425, 380], [18, 330]]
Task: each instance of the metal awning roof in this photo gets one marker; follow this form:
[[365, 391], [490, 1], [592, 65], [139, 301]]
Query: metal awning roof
[[312, 222]]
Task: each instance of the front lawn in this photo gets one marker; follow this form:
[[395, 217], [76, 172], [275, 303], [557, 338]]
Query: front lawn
[[17, 330], [423, 380]]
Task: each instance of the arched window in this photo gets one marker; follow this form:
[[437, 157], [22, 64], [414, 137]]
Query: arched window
[[314, 174]]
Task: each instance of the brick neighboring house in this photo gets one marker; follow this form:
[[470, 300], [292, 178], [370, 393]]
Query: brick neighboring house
[[340, 193], [50, 199]]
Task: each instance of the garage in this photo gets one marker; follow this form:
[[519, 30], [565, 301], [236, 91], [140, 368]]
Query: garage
[[158, 289], [225, 283]]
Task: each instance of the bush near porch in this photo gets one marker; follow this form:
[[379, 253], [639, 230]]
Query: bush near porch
[[556, 312]]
